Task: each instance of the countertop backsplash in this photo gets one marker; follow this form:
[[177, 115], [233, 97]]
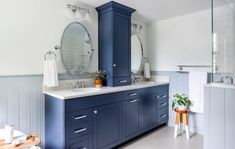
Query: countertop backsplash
[[69, 84]]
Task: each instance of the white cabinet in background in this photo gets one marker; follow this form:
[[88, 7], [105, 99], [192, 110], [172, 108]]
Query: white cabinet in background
[[219, 118]]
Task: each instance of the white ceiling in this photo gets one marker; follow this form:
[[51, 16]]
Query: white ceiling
[[152, 10]]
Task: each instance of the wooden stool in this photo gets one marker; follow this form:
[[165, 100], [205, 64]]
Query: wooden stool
[[181, 116]]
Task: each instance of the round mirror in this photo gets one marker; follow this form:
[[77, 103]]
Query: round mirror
[[136, 53], [76, 49]]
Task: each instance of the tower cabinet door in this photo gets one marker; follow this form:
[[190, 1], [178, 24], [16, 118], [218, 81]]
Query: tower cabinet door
[[107, 125], [121, 53]]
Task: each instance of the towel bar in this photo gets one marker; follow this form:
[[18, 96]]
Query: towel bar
[[181, 67]]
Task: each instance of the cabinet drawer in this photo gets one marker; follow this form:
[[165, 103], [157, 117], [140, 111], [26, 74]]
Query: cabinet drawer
[[84, 142], [162, 101], [156, 90], [78, 130], [120, 81], [163, 115], [78, 116], [131, 94]]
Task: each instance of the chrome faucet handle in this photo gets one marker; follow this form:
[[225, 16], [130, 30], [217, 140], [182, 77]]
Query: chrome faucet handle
[[70, 85], [78, 84], [85, 84], [137, 79], [82, 84], [227, 79]]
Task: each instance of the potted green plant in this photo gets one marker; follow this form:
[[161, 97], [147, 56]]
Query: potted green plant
[[98, 77], [181, 102]]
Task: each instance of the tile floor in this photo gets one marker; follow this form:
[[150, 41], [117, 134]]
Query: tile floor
[[163, 138]]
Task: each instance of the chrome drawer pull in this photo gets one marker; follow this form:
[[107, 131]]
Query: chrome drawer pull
[[123, 81], [132, 101], [82, 148], [164, 96], [158, 96], [133, 94], [80, 117], [164, 104], [80, 130], [163, 115]]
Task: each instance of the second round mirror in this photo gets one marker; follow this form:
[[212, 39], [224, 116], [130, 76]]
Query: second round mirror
[[136, 53]]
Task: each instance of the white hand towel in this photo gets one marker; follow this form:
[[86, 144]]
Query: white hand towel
[[50, 78], [196, 95], [147, 74]]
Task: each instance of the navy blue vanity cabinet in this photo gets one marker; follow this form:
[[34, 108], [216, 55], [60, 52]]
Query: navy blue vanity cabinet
[[107, 126], [131, 114], [104, 121], [115, 42]]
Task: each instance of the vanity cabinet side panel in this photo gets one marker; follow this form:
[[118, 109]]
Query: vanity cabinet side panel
[[54, 123], [217, 118], [229, 118]]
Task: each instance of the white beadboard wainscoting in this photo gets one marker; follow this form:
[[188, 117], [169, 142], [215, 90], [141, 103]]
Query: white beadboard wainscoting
[[22, 104]]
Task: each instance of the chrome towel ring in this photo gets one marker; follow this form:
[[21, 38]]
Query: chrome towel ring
[[49, 53]]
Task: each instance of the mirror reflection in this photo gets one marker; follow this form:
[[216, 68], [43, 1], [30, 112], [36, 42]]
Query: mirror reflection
[[136, 53], [76, 49]]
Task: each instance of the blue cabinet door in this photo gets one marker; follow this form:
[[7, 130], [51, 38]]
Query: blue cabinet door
[[148, 111], [130, 117], [121, 55], [107, 126]]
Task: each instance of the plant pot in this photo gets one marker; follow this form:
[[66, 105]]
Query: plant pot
[[98, 83], [181, 107]]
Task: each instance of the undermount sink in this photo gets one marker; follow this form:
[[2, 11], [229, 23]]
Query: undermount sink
[[86, 90]]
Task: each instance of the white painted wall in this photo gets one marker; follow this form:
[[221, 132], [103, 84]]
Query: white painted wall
[[29, 28], [182, 40]]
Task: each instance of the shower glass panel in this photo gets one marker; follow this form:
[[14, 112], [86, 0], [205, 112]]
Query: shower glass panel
[[223, 34]]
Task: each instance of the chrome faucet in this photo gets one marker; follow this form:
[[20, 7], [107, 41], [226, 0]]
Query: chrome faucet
[[136, 79], [227, 79]]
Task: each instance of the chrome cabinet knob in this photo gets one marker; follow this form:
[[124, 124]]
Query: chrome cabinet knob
[[95, 111], [114, 65]]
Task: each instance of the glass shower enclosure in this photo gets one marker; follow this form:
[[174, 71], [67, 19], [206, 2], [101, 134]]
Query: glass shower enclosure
[[223, 45]]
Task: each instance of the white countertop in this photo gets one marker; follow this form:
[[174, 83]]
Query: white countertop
[[69, 94], [220, 85]]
